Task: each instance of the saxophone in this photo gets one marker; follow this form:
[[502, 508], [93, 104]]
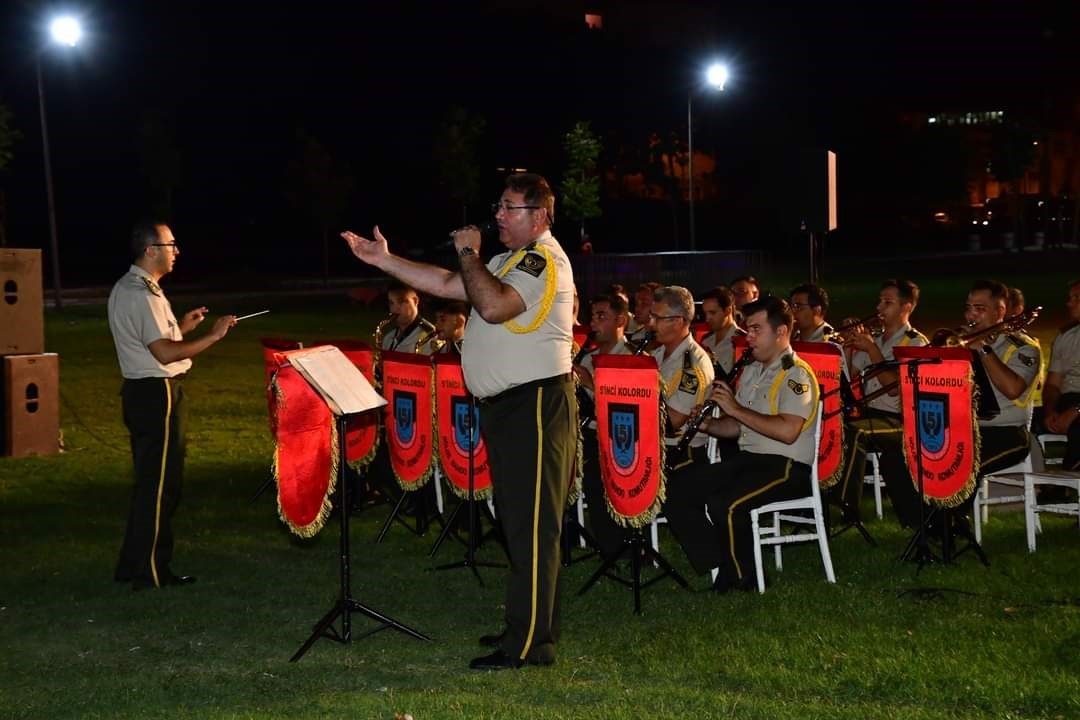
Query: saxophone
[[376, 338]]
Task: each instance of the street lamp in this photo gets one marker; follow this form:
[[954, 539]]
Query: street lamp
[[64, 30], [716, 77]]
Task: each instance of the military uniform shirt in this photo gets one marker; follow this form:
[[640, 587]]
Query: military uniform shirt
[[494, 358], [620, 348], [1065, 359], [408, 342], [1024, 359], [776, 390], [819, 334], [722, 350], [904, 337], [687, 381], [139, 314]]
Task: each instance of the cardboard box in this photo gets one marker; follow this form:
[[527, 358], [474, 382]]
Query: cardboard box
[[30, 400], [22, 306]]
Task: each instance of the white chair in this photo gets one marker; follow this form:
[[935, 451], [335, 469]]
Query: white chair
[[772, 535], [581, 518], [876, 480], [1027, 481], [1011, 477]]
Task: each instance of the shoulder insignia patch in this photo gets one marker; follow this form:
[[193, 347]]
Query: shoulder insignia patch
[[532, 263], [797, 387], [689, 383], [152, 286], [1028, 360], [788, 362]]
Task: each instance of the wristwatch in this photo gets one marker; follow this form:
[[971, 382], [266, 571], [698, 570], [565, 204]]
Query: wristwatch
[[987, 350], [466, 251]]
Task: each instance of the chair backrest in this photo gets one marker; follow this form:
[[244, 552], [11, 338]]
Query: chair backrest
[[1056, 458], [814, 478]]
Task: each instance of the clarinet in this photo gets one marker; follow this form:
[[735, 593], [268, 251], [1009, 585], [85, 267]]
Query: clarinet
[[706, 410], [643, 342]]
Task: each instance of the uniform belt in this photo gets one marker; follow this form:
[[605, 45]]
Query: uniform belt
[[156, 379], [526, 387]]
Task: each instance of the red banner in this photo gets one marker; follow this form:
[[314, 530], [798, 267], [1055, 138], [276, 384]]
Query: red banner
[[700, 330], [581, 334], [630, 435], [306, 452], [362, 433], [946, 423], [454, 421], [825, 359], [272, 359], [407, 389]]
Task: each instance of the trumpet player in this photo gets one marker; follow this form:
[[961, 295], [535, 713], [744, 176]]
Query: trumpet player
[[878, 427], [406, 327], [1061, 396], [450, 319], [1013, 365]]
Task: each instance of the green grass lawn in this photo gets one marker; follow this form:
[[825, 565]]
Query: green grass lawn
[[998, 642]]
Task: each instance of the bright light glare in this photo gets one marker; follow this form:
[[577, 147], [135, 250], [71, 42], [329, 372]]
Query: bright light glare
[[717, 75], [66, 30]]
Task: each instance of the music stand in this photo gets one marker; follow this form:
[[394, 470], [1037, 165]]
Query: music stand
[[471, 543], [347, 394]]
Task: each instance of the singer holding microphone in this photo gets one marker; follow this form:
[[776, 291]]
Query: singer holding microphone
[[772, 414], [516, 360]]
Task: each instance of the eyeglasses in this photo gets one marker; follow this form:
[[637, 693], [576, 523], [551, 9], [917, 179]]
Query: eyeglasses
[[174, 246], [497, 206], [658, 318], [800, 306]]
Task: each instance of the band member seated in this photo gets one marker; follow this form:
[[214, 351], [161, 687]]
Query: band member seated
[[878, 427], [643, 302], [772, 415], [406, 326], [1012, 363], [609, 315], [1015, 302], [1061, 394], [718, 305], [810, 305], [450, 319], [686, 373]]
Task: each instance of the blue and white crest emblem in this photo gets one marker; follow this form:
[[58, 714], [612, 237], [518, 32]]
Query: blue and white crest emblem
[[463, 428], [405, 415], [624, 432], [933, 422]]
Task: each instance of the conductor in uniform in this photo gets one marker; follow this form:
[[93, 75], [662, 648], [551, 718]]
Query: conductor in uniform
[[154, 357], [516, 358]]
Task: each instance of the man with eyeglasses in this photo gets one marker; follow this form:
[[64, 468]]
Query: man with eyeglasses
[[516, 359], [154, 356], [810, 304], [686, 373]]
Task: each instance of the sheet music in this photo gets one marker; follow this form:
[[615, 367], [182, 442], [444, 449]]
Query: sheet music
[[340, 383]]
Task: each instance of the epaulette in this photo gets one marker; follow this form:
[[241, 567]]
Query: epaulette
[[1017, 340], [687, 360], [738, 331], [152, 286], [788, 362], [913, 334]]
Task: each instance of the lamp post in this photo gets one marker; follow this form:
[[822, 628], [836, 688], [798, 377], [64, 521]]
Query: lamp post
[[64, 30], [716, 76]]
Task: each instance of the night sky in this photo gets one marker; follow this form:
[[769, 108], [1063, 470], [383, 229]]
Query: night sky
[[231, 83]]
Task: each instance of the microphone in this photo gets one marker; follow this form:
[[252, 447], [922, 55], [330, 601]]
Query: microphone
[[486, 228]]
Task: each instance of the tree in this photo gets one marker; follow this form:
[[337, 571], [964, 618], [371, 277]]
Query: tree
[[581, 183], [9, 138], [1012, 152], [457, 141], [320, 188]]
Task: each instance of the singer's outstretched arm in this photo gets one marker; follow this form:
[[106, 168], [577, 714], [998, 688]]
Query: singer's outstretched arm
[[426, 278]]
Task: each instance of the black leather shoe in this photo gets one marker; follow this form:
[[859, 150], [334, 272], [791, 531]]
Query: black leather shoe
[[491, 641], [497, 660], [722, 585]]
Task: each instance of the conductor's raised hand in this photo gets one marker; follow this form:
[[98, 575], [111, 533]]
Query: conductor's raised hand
[[467, 237], [370, 251], [222, 326], [191, 319]]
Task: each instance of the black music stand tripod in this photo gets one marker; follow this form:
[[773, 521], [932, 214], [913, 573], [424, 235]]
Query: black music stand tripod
[[471, 540], [346, 604]]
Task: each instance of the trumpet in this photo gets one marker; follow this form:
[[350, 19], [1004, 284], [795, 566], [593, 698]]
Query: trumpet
[[376, 339], [430, 337], [871, 324], [959, 338]]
